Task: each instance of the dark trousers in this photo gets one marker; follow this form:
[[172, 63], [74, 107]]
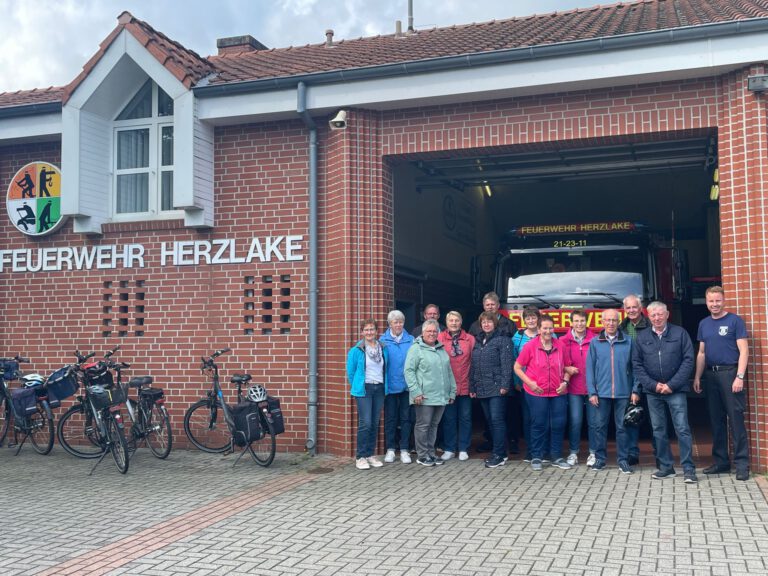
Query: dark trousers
[[724, 407], [494, 410], [397, 415]]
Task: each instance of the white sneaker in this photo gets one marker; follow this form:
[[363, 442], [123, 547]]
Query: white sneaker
[[405, 458], [463, 456], [362, 464], [591, 460], [375, 462], [447, 455], [573, 459], [389, 457]]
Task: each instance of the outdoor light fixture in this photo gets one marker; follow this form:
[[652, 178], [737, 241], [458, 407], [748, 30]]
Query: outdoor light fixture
[[757, 83], [487, 188]]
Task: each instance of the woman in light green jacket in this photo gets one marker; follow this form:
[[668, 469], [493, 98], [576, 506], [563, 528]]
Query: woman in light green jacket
[[431, 387]]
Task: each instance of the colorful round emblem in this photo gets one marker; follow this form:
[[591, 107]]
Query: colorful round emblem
[[34, 199]]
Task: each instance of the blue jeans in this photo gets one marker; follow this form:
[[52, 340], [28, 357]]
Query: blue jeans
[[397, 412], [576, 404], [548, 417], [600, 415], [457, 425], [677, 404], [368, 414], [495, 411]]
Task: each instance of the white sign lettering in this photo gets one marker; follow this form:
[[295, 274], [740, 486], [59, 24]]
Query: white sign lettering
[[179, 253]]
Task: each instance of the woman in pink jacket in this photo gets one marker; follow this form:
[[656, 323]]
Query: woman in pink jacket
[[576, 340], [457, 418], [542, 368]]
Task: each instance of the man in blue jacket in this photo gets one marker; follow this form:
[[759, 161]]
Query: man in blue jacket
[[610, 387], [663, 360]]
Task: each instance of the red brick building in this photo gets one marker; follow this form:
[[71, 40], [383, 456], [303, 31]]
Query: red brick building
[[192, 188]]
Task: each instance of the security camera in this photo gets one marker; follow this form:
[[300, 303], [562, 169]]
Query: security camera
[[339, 122]]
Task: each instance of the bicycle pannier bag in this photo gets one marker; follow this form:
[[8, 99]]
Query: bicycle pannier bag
[[278, 424], [9, 369], [98, 373], [24, 401], [247, 425], [61, 384]]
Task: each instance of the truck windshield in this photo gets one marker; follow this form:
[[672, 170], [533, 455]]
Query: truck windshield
[[589, 276]]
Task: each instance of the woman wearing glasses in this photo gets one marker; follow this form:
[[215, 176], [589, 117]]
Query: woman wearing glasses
[[457, 418]]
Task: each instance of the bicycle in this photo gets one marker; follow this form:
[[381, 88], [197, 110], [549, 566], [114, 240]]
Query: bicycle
[[201, 419], [26, 407], [93, 426], [149, 418]]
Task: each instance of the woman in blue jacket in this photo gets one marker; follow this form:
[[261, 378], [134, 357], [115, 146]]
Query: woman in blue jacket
[[398, 412], [366, 371]]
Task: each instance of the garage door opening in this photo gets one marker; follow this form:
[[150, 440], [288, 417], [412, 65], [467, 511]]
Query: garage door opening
[[453, 209]]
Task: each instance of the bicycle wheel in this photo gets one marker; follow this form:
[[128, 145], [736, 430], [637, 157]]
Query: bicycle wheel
[[263, 450], [5, 417], [205, 426], [41, 428], [158, 427], [78, 434], [117, 444]]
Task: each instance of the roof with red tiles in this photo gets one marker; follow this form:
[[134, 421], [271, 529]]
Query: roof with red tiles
[[537, 30], [573, 25]]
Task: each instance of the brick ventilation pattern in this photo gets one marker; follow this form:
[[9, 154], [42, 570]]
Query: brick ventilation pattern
[[267, 304], [123, 308]]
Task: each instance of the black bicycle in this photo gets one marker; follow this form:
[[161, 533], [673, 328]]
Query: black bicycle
[[93, 426], [247, 424], [24, 410], [150, 422]]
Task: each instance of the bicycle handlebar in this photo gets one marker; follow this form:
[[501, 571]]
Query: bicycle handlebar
[[209, 362], [111, 352], [17, 358], [81, 358]]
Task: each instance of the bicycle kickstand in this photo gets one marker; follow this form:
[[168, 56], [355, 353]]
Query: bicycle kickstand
[[243, 451], [103, 454], [20, 444]]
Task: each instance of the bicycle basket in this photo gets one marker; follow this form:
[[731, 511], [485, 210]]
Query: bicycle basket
[[97, 373], [247, 424], [104, 398], [152, 394], [62, 384]]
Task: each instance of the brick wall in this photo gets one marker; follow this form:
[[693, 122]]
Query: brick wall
[[261, 174]]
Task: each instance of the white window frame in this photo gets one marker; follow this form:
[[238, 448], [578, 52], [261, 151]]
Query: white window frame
[[155, 124]]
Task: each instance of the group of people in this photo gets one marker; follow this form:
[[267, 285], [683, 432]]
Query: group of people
[[530, 378]]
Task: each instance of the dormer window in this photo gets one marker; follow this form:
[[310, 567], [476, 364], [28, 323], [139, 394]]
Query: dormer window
[[143, 144]]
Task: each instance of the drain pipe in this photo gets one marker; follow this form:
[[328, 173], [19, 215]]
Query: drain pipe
[[301, 108]]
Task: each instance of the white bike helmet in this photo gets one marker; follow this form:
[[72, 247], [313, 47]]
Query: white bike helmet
[[33, 380], [257, 393]]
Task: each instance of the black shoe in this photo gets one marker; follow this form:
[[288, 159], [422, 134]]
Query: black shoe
[[425, 461], [437, 461], [495, 461], [742, 475], [598, 465], [690, 477], [661, 474], [484, 447], [633, 460], [717, 469]]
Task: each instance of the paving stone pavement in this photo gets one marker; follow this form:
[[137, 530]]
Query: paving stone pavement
[[195, 514]]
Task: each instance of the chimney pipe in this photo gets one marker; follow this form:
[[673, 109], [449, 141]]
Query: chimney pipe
[[329, 37], [410, 16], [398, 29]]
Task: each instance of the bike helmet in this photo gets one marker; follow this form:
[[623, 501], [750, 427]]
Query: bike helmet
[[257, 393], [32, 380], [633, 415]]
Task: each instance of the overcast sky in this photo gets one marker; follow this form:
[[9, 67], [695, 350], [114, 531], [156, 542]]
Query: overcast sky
[[46, 42]]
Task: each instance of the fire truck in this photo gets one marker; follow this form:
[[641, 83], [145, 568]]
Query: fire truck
[[587, 266]]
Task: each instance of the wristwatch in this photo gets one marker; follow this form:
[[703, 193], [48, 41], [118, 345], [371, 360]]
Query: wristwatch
[[740, 375]]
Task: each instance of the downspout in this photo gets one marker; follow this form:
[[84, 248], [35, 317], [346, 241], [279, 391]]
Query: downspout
[[301, 108]]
